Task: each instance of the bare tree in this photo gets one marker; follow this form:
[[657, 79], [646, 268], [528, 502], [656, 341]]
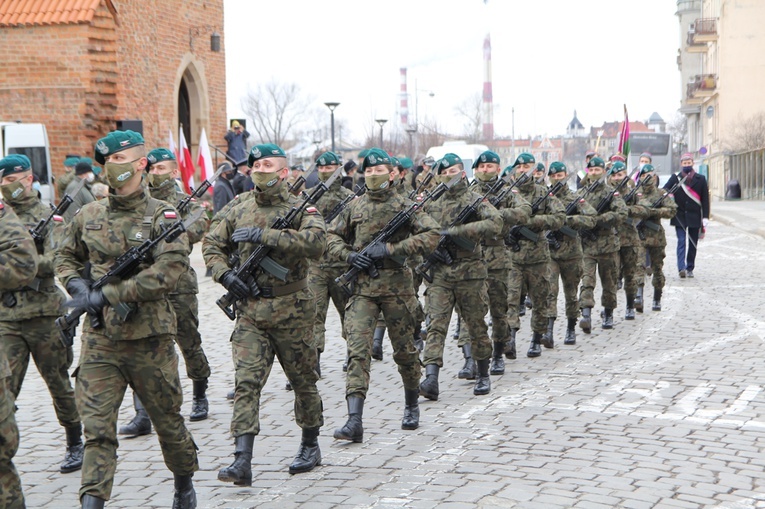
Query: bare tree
[[276, 109], [747, 134], [678, 128], [470, 111]]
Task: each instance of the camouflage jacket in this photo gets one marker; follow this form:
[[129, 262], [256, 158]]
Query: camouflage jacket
[[628, 235], [83, 197], [653, 230], [550, 216], [567, 237], [239, 198], [485, 224], [334, 195], [513, 209], [18, 255], [291, 248], [48, 300], [606, 238], [362, 220], [102, 231], [169, 193], [62, 181]]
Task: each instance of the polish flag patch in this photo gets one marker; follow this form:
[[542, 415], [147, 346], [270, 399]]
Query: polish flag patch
[[58, 219], [312, 210], [169, 214]]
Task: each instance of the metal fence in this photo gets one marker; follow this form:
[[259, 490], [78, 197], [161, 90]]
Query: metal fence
[[748, 168]]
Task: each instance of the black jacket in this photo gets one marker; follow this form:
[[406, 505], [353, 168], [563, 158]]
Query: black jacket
[[689, 213], [222, 194]]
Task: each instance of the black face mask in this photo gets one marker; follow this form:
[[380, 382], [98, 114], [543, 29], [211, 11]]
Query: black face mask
[[229, 175], [686, 169]]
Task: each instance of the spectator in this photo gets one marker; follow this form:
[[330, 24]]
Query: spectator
[[241, 180], [224, 188], [236, 137], [348, 170], [99, 190]]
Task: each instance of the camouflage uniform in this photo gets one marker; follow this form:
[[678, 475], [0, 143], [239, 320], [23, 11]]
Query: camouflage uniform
[[631, 253], [139, 352], [18, 266], [655, 241], [63, 182]]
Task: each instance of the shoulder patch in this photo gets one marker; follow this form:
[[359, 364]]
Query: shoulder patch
[[58, 219], [582, 200], [640, 194], [515, 191], [357, 216], [93, 226], [170, 214], [616, 193], [311, 210], [1, 206]]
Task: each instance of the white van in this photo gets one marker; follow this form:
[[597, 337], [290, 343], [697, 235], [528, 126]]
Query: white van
[[32, 141], [467, 152]]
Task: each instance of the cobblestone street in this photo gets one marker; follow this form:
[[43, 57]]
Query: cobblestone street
[[667, 411]]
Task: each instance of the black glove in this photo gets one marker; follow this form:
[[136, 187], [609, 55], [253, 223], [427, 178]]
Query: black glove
[[443, 256], [253, 235], [77, 287], [233, 284], [92, 301], [378, 251], [360, 261]]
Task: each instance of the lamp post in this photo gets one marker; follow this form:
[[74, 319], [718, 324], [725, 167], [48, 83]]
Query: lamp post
[[332, 107], [417, 91], [411, 129], [381, 121]]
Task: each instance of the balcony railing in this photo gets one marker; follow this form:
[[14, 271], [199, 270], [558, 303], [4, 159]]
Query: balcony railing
[[701, 87], [702, 31]]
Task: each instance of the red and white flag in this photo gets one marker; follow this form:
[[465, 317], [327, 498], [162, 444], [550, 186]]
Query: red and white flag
[[204, 159], [171, 144], [184, 163]]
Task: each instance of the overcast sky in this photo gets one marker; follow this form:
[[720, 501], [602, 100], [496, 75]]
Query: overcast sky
[[549, 57]]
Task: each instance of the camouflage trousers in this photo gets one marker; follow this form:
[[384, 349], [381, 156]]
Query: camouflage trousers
[[150, 367], [322, 283], [39, 338], [496, 285], [419, 315], [538, 280], [607, 267], [11, 496], [471, 299], [631, 260], [570, 272], [188, 339], [254, 350], [657, 255], [360, 320]]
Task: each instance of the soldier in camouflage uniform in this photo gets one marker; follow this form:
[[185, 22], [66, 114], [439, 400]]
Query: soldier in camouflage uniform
[[600, 246], [28, 314], [64, 180], [280, 320], [566, 258], [531, 255], [655, 241], [392, 292], [139, 349], [18, 268], [163, 172], [459, 280]]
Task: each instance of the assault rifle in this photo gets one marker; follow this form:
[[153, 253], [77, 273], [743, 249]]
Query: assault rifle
[[518, 232], [496, 200], [199, 191], [341, 206], [294, 188], [645, 223], [425, 181], [123, 268], [442, 249], [554, 237], [400, 219], [605, 202], [259, 256]]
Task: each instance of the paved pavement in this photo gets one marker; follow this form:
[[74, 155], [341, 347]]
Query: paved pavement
[[667, 411]]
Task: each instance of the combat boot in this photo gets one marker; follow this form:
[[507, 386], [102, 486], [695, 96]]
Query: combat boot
[[608, 318], [140, 425], [639, 299], [318, 363], [429, 386], [535, 349], [91, 502], [482, 382], [586, 322], [287, 386], [308, 455], [656, 299], [345, 364], [377, 348], [468, 370], [199, 404], [630, 313], [230, 395], [411, 418], [74, 450], [570, 332], [240, 471], [353, 429], [547, 337], [522, 306], [419, 343], [457, 329], [528, 302], [497, 361], [185, 497], [510, 352]]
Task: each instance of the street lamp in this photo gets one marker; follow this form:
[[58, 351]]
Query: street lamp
[[381, 121], [411, 129], [332, 107]]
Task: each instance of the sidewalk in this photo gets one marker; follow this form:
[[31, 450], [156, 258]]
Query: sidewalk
[[746, 215]]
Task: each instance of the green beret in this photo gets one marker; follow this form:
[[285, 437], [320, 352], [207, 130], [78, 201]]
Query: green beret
[[375, 157], [363, 153], [596, 161], [556, 167], [617, 167], [71, 161], [264, 152], [116, 141], [327, 158], [524, 158], [507, 171], [486, 157], [540, 167], [647, 168], [406, 163], [160, 154], [395, 161], [14, 163], [446, 162]]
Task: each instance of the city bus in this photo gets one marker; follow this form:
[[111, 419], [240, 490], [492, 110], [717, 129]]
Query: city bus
[[659, 145]]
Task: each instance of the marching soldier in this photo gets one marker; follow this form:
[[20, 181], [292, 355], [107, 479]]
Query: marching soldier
[[279, 321], [28, 314], [135, 348]]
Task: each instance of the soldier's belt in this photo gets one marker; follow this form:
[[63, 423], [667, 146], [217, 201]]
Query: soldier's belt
[[270, 292], [388, 263]]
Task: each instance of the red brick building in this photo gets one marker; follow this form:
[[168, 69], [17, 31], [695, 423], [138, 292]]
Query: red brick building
[[81, 66]]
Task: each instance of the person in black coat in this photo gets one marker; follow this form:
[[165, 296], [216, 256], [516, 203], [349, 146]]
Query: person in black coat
[[692, 216], [223, 192]]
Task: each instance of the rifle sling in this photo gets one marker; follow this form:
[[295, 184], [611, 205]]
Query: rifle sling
[[148, 218]]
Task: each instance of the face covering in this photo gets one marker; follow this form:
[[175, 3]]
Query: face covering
[[325, 175], [119, 173], [443, 179], [157, 180], [483, 176], [268, 183], [91, 177], [13, 192], [377, 182], [687, 169]]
